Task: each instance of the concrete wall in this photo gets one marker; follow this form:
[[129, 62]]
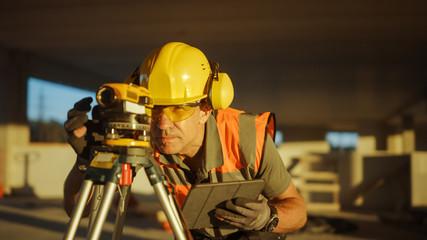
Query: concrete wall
[[291, 151], [39, 167], [393, 179], [11, 136], [42, 169], [387, 188], [419, 179]]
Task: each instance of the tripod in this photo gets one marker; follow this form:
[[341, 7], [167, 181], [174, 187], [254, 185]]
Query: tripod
[[110, 167]]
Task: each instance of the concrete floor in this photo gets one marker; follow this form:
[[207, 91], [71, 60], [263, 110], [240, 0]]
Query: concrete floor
[[26, 218]]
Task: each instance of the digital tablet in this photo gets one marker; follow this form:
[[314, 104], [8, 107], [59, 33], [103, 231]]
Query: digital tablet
[[201, 201]]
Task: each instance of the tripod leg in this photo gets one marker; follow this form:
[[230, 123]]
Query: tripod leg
[[171, 209], [78, 209], [121, 211], [96, 230], [96, 201], [171, 212]]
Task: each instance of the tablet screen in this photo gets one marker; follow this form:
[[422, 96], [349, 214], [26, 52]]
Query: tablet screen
[[200, 204]]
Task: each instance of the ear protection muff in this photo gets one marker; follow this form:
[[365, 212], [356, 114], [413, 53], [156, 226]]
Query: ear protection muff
[[220, 88]]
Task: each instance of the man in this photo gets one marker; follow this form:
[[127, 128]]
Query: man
[[198, 139]]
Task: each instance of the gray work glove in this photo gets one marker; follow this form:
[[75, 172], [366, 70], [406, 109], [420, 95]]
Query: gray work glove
[[245, 213], [79, 123]]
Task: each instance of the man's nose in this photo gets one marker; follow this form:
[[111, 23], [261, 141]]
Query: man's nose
[[164, 122]]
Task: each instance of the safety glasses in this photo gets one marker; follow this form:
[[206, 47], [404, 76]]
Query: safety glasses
[[175, 113]]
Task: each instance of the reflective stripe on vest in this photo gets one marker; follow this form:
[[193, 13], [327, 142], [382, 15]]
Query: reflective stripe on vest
[[249, 131]]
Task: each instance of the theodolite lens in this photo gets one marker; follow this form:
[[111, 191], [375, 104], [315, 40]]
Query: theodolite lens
[[105, 96]]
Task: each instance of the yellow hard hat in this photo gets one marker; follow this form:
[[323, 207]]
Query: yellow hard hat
[[178, 74]]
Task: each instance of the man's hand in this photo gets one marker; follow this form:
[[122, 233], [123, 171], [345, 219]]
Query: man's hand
[[79, 129], [245, 213]]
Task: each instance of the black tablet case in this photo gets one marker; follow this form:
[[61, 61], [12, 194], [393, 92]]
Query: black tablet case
[[200, 204]]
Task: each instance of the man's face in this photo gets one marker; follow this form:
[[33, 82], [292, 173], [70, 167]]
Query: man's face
[[181, 137]]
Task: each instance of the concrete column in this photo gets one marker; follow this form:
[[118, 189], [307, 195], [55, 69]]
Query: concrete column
[[14, 131], [408, 134], [14, 73]]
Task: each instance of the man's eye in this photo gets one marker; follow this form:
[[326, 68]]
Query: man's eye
[[178, 108]]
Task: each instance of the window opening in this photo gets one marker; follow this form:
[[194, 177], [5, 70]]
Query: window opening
[[342, 141], [47, 107]]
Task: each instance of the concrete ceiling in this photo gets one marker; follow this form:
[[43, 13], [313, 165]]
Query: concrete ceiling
[[326, 63]]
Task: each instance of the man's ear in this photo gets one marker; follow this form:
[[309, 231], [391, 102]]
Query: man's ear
[[205, 112]]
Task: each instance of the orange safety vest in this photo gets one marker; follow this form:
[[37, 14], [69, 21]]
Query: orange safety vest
[[242, 137]]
